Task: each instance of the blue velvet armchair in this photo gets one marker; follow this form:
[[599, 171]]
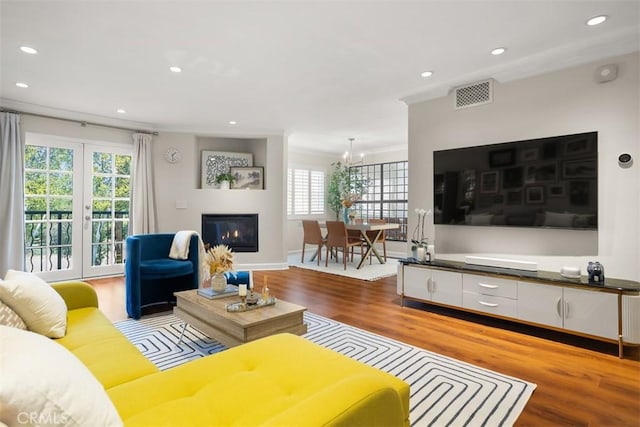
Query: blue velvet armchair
[[151, 277]]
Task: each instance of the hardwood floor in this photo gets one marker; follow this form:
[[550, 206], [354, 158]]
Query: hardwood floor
[[580, 382]]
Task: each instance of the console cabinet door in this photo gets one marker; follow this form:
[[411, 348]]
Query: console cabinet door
[[416, 282], [591, 312], [540, 304], [446, 287]]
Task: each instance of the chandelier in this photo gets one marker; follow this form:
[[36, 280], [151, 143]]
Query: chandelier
[[348, 156]]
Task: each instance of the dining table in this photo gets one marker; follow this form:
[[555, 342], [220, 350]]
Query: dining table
[[364, 228]]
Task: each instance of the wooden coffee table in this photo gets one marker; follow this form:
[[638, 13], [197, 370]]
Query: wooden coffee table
[[231, 329]]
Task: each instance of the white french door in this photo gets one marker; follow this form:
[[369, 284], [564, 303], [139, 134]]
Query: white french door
[[77, 199], [107, 191]]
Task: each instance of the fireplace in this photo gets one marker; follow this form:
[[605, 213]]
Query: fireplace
[[238, 231]]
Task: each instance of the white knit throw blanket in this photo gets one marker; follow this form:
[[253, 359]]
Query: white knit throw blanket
[[180, 250]]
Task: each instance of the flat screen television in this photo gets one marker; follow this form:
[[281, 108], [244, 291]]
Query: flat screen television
[[547, 182]]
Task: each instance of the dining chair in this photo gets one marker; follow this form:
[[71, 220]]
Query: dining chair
[[312, 235], [383, 238], [338, 238]]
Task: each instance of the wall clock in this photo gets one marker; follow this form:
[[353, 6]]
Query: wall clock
[[172, 155]]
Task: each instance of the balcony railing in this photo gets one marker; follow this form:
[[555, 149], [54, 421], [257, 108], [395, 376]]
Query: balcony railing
[[48, 239]]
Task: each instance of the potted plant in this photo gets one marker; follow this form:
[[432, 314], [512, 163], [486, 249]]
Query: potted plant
[[224, 180], [419, 242], [344, 189]]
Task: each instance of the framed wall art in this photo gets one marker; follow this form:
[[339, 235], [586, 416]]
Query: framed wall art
[[585, 168], [248, 178], [504, 157], [535, 194], [217, 162], [489, 182]]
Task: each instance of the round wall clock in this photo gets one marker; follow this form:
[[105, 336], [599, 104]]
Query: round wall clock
[[172, 155]]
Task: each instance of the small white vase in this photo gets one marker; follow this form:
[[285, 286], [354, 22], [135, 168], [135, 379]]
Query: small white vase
[[224, 185], [421, 253]]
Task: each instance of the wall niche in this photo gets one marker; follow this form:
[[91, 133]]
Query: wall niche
[[257, 147]]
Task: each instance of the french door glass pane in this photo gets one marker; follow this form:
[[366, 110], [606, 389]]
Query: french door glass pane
[[110, 205], [48, 185]]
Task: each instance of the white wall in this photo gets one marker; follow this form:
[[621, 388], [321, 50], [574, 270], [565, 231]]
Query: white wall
[[558, 103]]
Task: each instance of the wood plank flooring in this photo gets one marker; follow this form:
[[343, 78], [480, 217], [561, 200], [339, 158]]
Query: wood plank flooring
[[580, 382]]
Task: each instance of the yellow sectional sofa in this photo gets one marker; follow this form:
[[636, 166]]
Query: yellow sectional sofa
[[282, 380]]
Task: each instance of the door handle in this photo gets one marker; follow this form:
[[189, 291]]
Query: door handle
[[484, 285], [429, 284], [558, 307], [566, 309]]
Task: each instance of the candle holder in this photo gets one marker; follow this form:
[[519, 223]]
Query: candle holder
[[242, 293]]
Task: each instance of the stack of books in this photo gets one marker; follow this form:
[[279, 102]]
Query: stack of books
[[211, 294]]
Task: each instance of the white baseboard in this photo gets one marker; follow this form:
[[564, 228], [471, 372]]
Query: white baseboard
[[262, 266], [502, 263]]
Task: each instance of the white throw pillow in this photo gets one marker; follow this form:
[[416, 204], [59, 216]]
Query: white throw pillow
[[8, 317], [36, 302], [43, 383]]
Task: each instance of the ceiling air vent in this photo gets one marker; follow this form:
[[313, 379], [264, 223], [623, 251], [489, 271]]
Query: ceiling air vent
[[474, 94]]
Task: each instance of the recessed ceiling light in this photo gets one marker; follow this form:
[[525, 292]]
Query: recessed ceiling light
[[233, 122], [175, 69], [120, 111], [426, 74], [498, 51], [596, 20], [27, 49], [22, 85]]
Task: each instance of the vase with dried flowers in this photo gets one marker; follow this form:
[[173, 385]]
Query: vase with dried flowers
[[348, 198], [220, 261], [420, 242]]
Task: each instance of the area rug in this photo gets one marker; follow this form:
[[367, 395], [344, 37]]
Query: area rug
[[368, 272], [444, 391]]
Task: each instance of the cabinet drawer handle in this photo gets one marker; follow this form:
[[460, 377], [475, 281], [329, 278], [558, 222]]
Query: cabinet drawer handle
[[558, 307], [484, 285], [488, 304]]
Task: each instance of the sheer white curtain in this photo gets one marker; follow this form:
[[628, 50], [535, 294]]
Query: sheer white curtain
[[11, 194], [143, 205]]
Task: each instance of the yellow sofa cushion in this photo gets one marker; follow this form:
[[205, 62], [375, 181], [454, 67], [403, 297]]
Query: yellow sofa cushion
[[279, 380], [93, 339]]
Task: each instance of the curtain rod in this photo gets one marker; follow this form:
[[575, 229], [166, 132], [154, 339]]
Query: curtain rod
[[82, 123]]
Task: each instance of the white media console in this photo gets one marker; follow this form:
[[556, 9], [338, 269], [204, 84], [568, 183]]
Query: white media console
[[607, 312]]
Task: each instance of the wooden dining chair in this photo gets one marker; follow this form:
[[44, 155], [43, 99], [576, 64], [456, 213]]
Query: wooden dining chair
[[312, 235], [383, 237], [338, 238]]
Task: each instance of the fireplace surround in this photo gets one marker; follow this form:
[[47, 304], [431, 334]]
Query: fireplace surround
[[238, 231]]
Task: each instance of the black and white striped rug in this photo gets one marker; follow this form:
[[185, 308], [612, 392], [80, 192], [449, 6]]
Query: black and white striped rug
[[444, 391]]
